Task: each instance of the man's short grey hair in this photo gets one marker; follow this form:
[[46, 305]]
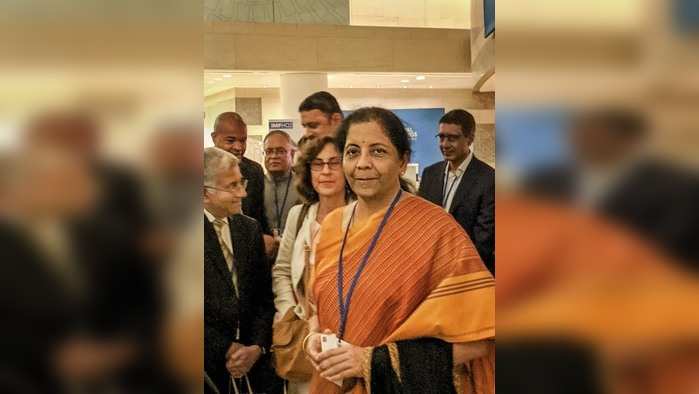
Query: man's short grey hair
[[217, 160]]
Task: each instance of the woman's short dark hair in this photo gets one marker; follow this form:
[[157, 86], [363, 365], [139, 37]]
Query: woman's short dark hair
[[308, 152], [392, 126]]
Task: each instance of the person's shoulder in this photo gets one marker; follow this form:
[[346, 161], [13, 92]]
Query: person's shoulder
[[294, 212], [420, 204], [482, 166], [430, 217], [246, 222], [435, 167], [252, 164]]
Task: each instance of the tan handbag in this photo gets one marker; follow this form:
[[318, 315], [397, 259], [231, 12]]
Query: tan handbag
[[290, 360]]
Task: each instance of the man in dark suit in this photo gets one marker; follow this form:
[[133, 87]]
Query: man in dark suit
[[462, 184], [231, 134], [69, 321], [238, 300], [612, 174]]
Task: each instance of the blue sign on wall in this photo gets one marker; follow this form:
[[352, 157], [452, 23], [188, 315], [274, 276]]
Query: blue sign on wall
[[422, 125], [489, 17]]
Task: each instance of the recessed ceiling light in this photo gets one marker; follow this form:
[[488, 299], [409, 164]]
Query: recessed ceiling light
[[227, 75], [420, 77], [430, 86], [404, 80], [405, 87]]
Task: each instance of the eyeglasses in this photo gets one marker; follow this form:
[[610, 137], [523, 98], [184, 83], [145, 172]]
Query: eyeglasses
[[236, 186], [317, 165], [449, 137], [277, 151]]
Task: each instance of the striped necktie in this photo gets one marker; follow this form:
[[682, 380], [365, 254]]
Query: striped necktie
[[227, 253]]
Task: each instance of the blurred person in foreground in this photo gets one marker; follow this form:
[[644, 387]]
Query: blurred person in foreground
[[280, 195], [462, 184], [238, 300], [68, 323], [321, 183], [614, 174], [572, 318], [231, 134], [422, 302], [320, 115], [175, 178]]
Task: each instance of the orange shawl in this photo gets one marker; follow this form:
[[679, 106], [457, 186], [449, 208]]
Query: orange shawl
[[424, 279]]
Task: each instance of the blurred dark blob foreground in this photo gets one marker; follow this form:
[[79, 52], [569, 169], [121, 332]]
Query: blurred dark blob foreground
[[598, 196], [84, 260], [100, 153]]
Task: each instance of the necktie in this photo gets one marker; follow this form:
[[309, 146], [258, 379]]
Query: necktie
[[227, 253]]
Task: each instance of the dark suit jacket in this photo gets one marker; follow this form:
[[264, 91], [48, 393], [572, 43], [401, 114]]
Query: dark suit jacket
[[473, 205], [254, 203], [40, 312], [654, 199], [253, 312]]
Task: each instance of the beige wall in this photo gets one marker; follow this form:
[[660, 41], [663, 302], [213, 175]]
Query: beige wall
[[290, 47]]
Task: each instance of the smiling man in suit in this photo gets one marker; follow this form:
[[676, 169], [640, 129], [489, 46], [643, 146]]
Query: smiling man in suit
[[238, 300], [462, 184]]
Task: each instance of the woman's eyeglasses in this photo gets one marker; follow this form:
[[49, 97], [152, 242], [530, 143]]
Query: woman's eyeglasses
[[317, 165]]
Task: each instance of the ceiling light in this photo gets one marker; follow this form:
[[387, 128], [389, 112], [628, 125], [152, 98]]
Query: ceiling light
[[405, 87], [430, 86], [420, 77], [227, 75], [404, 80]]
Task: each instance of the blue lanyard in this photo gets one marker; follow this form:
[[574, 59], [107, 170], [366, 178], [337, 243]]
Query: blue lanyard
[[278, 211], [344, 305]]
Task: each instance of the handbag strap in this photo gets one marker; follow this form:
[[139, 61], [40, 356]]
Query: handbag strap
[[299, 223]]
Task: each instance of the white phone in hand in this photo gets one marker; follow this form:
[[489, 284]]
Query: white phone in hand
[[327, 342]]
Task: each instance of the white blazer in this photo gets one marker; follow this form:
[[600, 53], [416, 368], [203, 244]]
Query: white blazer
[[288, 268]]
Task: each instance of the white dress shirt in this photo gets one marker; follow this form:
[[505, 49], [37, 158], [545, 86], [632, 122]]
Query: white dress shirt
[[226, 235], [452, 180]]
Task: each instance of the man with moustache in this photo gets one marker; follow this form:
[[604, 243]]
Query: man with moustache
[[231, 134], [280, 193], [463, 185], [238, 300]]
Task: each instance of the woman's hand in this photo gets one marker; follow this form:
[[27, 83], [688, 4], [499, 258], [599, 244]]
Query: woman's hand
[[314, 348], [342, 363]]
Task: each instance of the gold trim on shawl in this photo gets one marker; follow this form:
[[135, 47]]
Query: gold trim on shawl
[[395, 359], [460, 309]]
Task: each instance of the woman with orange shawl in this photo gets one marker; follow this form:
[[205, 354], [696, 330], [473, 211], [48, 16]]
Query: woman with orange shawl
[[397, 281]]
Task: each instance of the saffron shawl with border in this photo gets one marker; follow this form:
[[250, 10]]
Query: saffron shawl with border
[[424, 279]]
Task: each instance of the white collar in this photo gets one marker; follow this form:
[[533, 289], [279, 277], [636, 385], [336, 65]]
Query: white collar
[[211, 217], [462, 167]]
